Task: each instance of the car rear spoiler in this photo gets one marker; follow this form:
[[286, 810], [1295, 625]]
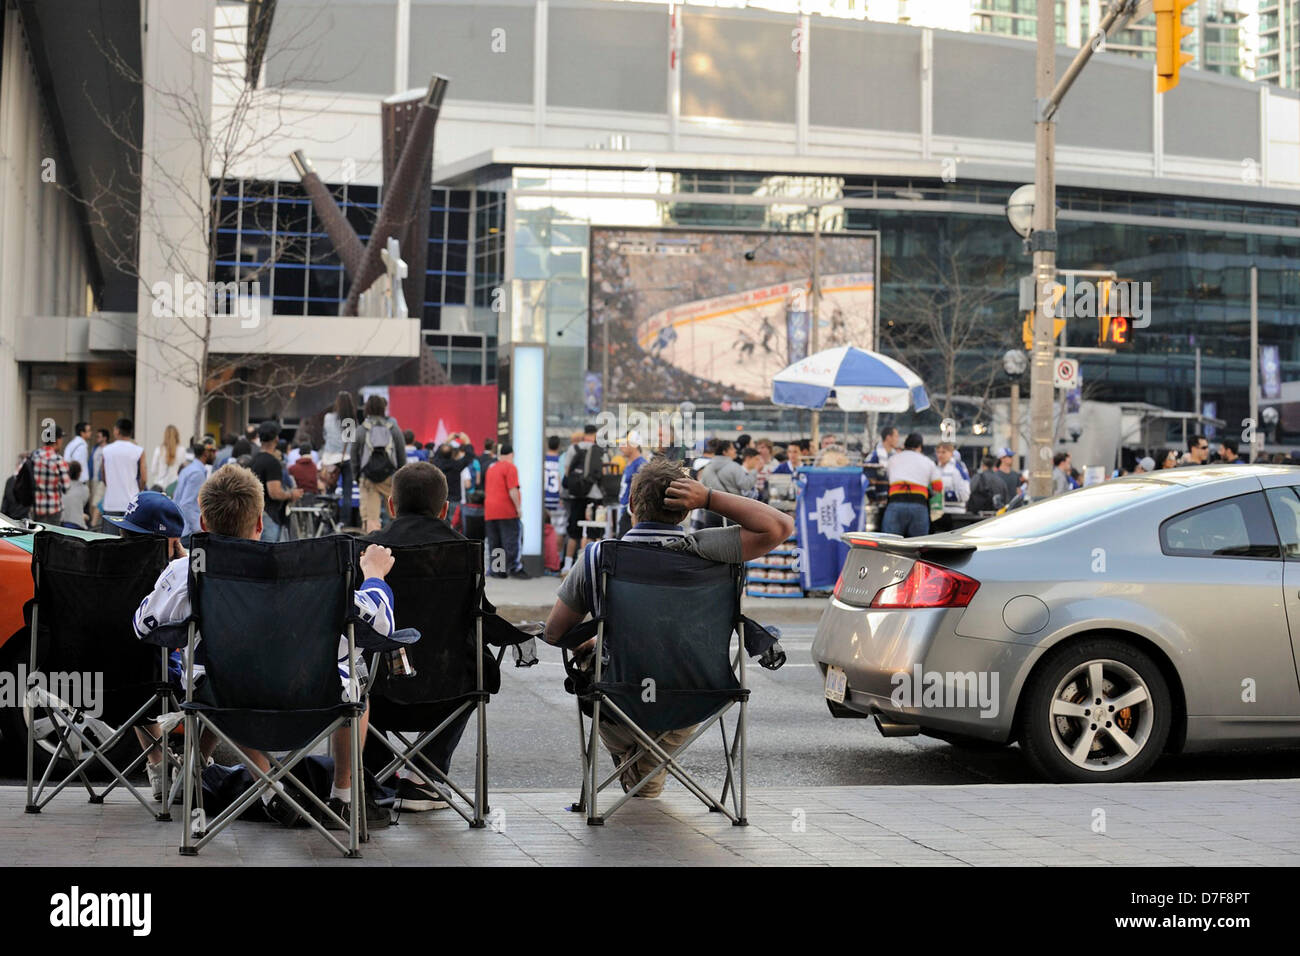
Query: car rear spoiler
[[907, 547]]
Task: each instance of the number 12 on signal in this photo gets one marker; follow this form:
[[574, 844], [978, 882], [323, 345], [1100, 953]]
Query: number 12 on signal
[[1115, 332]]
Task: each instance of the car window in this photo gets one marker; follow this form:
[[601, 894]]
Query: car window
[[1286, 515], [1238, 527], [1066, 511]]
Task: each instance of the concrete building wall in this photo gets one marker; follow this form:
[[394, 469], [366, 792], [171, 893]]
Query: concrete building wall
[[43, 256], [748, 83], [173, 187]]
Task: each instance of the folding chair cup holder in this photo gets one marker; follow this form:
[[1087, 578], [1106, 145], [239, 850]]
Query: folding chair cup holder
[[663, 661]]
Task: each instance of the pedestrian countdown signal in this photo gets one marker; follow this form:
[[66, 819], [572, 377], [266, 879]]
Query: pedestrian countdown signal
[[1115, 332]]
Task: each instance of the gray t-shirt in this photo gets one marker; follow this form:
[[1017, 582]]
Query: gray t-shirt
[[714, 544], [74, 504]]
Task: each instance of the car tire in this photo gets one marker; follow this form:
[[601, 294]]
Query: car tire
[[1069, 738]]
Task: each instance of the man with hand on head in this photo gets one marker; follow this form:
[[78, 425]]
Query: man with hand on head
[[661, 498]]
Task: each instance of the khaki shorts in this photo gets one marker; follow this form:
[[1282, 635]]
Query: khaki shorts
[[621, 742], [373, 497]]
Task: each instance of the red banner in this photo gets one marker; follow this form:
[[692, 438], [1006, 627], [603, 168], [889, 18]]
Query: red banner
[[435, 411]]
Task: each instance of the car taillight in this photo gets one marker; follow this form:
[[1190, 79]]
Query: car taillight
[[928, 585]]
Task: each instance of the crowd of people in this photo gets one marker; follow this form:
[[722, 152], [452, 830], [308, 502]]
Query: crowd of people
[[350, 461]]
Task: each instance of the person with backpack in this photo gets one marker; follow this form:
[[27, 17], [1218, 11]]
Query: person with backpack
[[581, 485], [987, 492], [380, 449], [22, 484]]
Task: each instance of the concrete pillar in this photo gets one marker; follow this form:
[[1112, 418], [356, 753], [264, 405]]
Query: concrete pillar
[[176, 49]]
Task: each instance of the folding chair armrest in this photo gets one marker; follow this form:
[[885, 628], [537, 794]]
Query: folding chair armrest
[[577, 636], [173, 636], [368, 639]]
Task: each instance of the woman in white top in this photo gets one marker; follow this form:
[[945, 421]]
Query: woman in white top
[[168, 459], [336, 456]]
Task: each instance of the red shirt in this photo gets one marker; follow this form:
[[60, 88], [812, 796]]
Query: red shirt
[[304, 473], [501, 477]]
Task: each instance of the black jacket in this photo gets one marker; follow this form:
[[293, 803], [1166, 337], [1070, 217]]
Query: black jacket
[[452, 467], [420, 529], [415, 529]]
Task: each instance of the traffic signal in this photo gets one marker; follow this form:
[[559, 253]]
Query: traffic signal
[[1169, 42], [1027, 330], [1058, 323], [1114, 331]]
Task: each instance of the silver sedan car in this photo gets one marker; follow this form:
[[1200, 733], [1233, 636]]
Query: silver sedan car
[[1145, 615]]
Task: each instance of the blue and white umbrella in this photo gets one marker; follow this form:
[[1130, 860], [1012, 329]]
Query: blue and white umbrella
[[861, 381]]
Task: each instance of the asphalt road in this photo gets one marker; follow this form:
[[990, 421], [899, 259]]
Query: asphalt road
[[793, 740]]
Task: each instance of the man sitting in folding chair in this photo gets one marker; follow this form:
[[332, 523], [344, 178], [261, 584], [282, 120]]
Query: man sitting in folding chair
[[438, 584], [661, 497], [230, 504]]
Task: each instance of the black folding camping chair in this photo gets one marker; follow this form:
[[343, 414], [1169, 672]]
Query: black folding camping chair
[[664, 661], [91, 681], [267, 619], [438, 590]]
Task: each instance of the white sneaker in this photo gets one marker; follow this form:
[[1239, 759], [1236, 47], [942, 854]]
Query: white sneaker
[[154, 770]]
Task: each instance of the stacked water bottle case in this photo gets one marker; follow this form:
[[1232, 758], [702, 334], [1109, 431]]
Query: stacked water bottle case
[[776, 573]]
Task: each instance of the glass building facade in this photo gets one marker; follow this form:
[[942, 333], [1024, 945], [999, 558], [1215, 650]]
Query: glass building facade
[[268, 232], [512, 250], [1195, 254]]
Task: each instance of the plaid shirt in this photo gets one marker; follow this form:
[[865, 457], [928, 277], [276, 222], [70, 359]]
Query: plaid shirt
[[51, 480]]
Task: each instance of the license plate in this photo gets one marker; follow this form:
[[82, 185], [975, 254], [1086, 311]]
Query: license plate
[[837, 684]]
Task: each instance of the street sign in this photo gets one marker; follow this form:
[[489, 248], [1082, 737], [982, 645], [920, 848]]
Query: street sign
[[1066, 374]]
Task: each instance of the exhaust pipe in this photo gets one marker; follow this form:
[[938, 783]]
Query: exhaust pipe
[[889, 728]]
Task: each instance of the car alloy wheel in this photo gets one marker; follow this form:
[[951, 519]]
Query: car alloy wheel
[[1102, 713]]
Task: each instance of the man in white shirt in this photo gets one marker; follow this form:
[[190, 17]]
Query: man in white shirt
[[124, 469], [956, 481], [79, 450], [913, 480]]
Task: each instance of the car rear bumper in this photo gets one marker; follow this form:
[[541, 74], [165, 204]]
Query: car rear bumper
[[909, 667]]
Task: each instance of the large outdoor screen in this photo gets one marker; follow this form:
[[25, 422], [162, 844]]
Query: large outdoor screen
[[688, 315]]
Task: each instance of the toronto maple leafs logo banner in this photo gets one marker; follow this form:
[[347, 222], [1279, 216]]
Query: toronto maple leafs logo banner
[[829, 505]]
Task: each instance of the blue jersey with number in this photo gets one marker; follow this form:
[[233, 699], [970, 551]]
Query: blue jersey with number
[[625, 486], [551, 481]]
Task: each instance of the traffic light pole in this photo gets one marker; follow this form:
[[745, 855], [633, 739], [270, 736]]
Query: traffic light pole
[[1042, 237], [1042, 240]]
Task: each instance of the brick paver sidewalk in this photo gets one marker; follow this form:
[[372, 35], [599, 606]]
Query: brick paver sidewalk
[[1211, 823]]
